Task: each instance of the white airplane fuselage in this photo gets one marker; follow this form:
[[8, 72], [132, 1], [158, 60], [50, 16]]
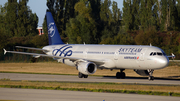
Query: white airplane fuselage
[[114, 56], [88, 58]]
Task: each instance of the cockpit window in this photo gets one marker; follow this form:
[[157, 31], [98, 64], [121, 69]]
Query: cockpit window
[[151, 53], [160, 54], [156, 53]]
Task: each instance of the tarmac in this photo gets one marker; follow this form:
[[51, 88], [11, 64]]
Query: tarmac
[[60, 95], [69, 78]]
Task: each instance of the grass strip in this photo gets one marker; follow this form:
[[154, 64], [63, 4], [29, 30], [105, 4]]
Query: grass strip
[[46, 73], [171, 72], [96, 90], [94, 87]]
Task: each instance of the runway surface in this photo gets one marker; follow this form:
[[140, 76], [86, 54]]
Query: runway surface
[[67, 78], [59, 95]]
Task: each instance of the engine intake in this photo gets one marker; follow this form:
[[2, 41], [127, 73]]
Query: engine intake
[[87, 68]]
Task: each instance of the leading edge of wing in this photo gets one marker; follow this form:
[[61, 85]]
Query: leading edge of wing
[[59, 57]]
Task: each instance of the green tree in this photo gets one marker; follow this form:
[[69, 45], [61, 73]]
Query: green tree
[[26, 21], [164, 10], [62, 11], [3, 35], [83, 27], [11, 17], [148, 14], [111, 19], [147, 37], [173, 15], [19, 19], [135, 16], [126, 14], [130, 14], [106, 18], [17, 24], [178, 19], [32, 24]]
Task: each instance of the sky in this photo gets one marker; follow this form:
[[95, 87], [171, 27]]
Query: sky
[[39, 7]]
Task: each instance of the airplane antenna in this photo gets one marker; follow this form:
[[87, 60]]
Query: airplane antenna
[[150, 44]]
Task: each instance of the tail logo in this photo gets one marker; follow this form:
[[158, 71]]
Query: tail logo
[[51, 29]]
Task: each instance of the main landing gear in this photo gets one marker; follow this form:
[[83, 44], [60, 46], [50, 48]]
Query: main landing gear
[[121, 74], [81, 75], [150, 74]]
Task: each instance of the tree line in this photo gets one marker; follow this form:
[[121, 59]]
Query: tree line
[[18, 25], [88, 21], [162, 15], [140, 22]]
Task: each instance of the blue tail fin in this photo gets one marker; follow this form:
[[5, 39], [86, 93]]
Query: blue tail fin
[[53, 34]]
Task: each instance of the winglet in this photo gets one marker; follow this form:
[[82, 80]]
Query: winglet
[[4, 51], [173, 56]]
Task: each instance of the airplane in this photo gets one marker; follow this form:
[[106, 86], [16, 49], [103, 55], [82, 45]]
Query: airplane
[[87, 58]]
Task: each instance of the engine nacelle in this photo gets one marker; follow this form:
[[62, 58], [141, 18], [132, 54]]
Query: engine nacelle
[[87, 68], [142, 72]]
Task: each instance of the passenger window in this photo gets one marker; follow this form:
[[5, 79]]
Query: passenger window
[[151, 54], [154, 53]]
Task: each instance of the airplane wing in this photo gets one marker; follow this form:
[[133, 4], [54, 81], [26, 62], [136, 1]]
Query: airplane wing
[[99, 62], [31, 48]]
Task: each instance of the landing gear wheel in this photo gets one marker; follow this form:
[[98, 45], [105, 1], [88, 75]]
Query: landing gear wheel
[[85, 76], [80, 75], [118, 75], [151, 78], [121, 75]]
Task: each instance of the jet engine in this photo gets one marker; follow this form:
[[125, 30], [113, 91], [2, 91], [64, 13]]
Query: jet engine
[[142, 72], [87, 68]]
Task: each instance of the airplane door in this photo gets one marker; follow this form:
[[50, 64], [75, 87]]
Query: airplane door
[[142, 54], [116, 54], [85, 53]]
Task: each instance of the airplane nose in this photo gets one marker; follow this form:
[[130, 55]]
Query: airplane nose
[[164, 62]]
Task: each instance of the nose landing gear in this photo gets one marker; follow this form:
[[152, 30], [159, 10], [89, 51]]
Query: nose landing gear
[[151, 78]]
